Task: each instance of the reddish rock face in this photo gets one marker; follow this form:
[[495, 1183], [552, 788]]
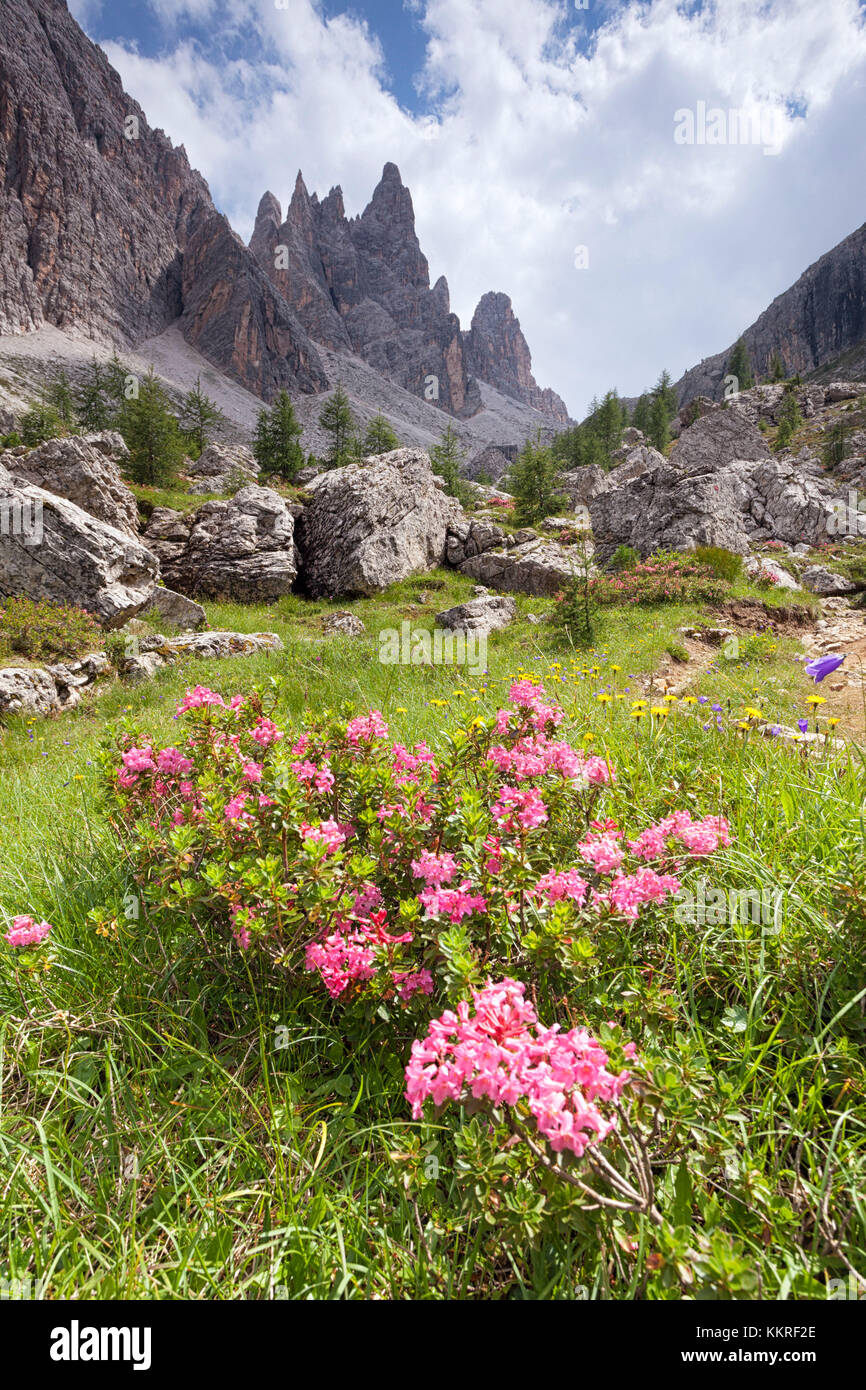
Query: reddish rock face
[[105, 228]]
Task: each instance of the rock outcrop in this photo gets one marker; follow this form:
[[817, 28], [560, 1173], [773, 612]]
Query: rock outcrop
[[104, 227], [484, 614], [373, 523], [152, 653], [221, 467], [241, 549], [821, 317], [496, 351], [52, 549], [42, 690], [85, 470]]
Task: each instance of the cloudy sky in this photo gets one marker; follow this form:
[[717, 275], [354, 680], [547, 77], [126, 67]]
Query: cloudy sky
[[543, 146]]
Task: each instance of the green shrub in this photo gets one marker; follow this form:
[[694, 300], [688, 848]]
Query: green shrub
[[11, 441], [678, 652], [667, 577], [41, 422], [723, 563], [625, 557], [37, 630]]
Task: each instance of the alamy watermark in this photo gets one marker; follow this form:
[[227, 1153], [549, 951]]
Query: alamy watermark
[[713, 125], [408, 646], [848, 518], [22, 516], [712, 906]]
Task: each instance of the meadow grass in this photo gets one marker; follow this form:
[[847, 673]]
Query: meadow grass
[[157, 1143]]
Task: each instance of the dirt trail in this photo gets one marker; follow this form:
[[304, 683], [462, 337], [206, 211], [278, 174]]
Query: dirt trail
[[840, 630]]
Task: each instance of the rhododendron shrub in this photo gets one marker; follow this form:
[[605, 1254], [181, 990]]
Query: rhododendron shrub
[[392, 874]]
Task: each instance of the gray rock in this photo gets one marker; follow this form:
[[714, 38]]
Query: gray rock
[[173, 608], [63, 554], [344, 624], [717, 439], [666, 508], [48, 690], [84, 468], [485, 614], [819, 580], [754, 565], [222, 468], [151, 653], [467, 537], [242, 549], [844, 391], [538, 568], [580, 485], [371, 524]]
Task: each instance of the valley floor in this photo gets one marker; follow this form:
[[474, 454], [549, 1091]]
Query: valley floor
[[156, 1143]]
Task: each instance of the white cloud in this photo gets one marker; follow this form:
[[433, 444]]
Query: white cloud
[[534, 145]]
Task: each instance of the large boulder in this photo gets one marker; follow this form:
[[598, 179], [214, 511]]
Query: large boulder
[[373, 523], [241, 549], [221, 467], [49, 689], [534, 567], [792, 500], [580, 485], [484, 614], [717, 439], [83, 468], [819, 580], [665, 507], [169, 607], [52, 549]]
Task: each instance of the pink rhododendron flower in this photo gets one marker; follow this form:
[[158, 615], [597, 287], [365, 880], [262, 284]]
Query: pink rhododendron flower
[[172, 760], [25, 932], [454, 903], [525, 808], [502, 1054], [409, 983], [328, 833], [138, 760], [435, 869], [252, 772], [266, 732], [604, 852], [566, 884], [197, 698], [234, 809], [367, 727]]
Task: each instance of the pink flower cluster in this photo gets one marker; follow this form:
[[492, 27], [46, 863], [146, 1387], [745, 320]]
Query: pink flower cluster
[[453, 903], [519, 808], [199, 697], [327, 832], [536, 754], [500, 1053], [367, 727], [698, 837], [26, 932]]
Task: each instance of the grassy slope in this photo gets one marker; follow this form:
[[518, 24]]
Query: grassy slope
[[156, 1144]]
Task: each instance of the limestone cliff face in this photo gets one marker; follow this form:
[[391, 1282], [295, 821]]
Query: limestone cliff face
[[363, 284], [498, 353], [105, 230], [92, 223], [821, 317]]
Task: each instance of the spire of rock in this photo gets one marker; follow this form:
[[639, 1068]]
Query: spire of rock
[[268, 219]]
